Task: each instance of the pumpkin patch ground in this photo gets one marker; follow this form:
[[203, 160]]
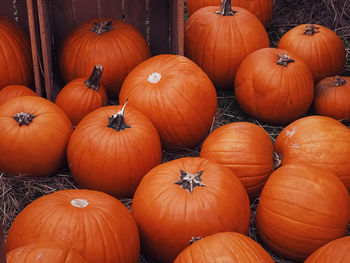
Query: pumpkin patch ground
[[17, 192]]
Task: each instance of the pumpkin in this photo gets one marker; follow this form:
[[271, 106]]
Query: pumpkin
[[33, 136], [246, 149], [2, 245], [16, 66], [274, 86], [332, 96], [116, 45], [112, 148], [176, 95], [263, 9], [334, 251], [224, 247], [185, 198], [12, 91], [219, 40], [81, 96], [318, 140], [43, 252], [301, 208], [96, 225], [320, 47]]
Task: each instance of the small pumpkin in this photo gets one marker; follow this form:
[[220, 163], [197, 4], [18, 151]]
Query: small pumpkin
[[218, 39], [34, 133], [332, 96], [246, 149], [81, 96], [96, 225], [274, 86], [321, 48], [185, 198], [43, 252], [301, 208], [224, 247], [116, 45], [12, 91]]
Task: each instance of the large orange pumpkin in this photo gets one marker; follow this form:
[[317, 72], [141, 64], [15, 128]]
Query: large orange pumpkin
[[218, 42], [274, 86], [318, 140], [96, 225], [34, 133], [332, 97], [320, 47], [16, 66], [224, 247], [263, 9], [116, 45], [186, 198], [246, 149], [176, 95], [44, 252], [111, 150], [301, 208], [81, 96], [12, 91]]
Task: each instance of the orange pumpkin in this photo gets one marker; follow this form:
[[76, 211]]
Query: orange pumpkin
[[96, 225], [186, 198], [274, 86], [12, 91], [246, 149], [2, 245], [318, 140], [332, 97], [44, 252], [224, 247], [81, 96], [301, 208], [320, 47]]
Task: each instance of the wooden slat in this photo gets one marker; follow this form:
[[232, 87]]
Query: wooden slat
[[178, 27]]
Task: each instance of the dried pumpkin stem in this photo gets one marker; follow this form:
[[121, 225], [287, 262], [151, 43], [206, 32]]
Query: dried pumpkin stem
[[226, 9], [117, 121], [311, 29], [339, 81], [277, 160], [23, 118], [102, 27], [94, 80], [190, 181], [284, 60]]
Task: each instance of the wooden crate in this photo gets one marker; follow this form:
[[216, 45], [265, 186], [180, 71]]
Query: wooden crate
[[160, 21]]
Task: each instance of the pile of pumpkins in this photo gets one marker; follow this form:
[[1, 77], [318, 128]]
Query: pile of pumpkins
[[192, 209]]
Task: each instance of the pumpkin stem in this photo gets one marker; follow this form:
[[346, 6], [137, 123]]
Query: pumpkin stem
[[339, 81], [102, 27], [190, 181], [23, 118], [277, 160], [311, 29], [94, 80], [117, 121], [226, 9], [194, 239], [284, 60]]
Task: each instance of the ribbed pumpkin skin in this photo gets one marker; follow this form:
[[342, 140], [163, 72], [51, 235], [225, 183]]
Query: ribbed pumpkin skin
[[331, 100], [246, 149], [77, 100], [12, 91], [219, 52], [333, 252], [168, 216], [83, 49], [16, 66], [224, 247], [319, 140], [44, 252], [181, 103], [102, 231], [263, 9], [38, 149], [323, 52], [270, 92], [111, 161], [301, 208]]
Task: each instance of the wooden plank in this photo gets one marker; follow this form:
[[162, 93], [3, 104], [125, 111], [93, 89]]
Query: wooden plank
[[178, 20]]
